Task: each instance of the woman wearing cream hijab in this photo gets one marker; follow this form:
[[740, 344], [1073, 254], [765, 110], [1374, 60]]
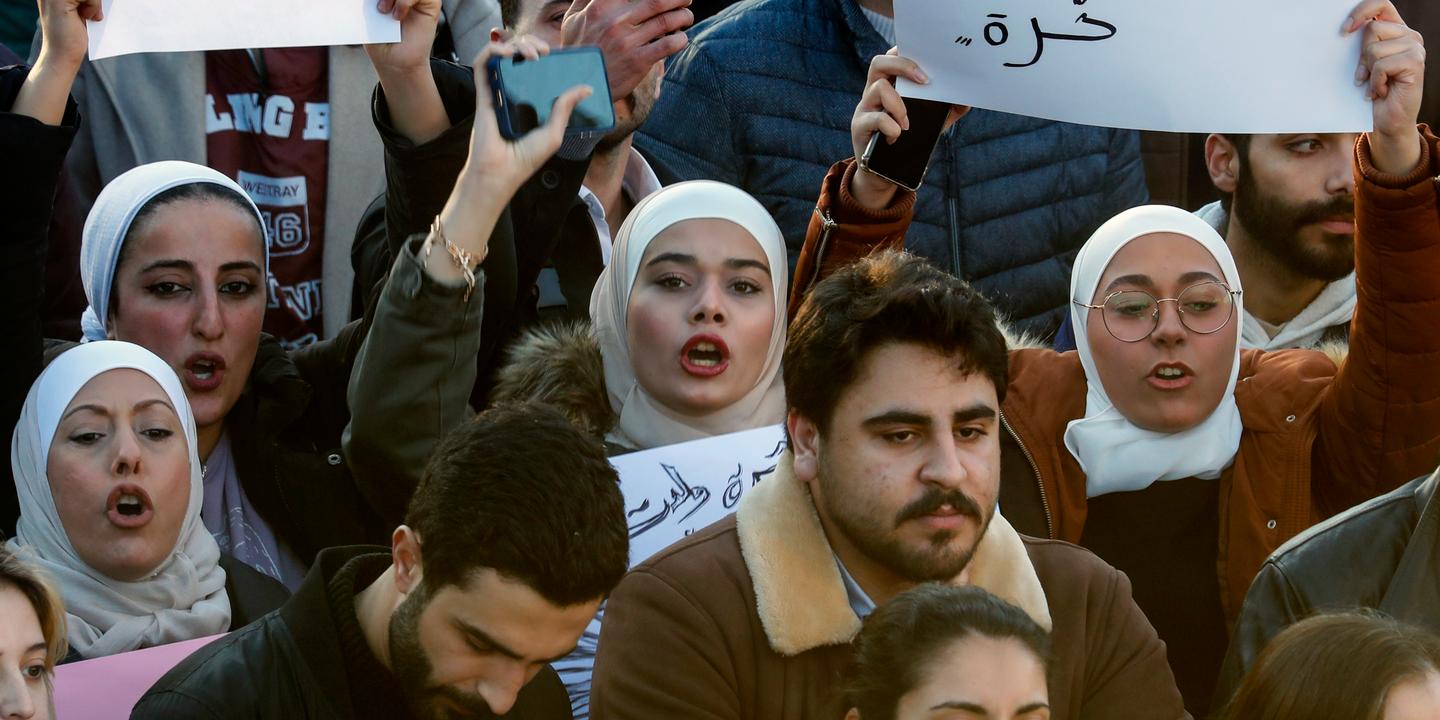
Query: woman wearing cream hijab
[[110, 493], [690, 316], [687, 327]]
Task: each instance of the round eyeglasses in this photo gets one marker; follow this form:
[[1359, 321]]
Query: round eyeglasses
[[1131, 315]]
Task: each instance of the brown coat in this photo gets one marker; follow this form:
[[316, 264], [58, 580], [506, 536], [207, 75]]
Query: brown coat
[[1318, 438], [749, 619]]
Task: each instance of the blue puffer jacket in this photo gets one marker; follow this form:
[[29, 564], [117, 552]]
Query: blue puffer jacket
[[762, 99]]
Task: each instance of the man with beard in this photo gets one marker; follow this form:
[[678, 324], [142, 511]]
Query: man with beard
[[894, 373], [515, 535], [618, 176], [1288, 215]]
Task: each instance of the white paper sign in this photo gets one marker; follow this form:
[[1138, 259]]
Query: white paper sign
[[132, 26], [671, 492], [1236, 66]]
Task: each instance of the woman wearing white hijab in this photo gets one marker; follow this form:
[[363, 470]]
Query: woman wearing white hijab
[[1157, 444], [174, 258], [687, 327], [690, 317], [110, 492]]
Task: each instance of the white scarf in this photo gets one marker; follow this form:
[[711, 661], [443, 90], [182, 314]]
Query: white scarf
[[644, 423], [185, 596], [110, 219], [1116, 455], [1335, 305]]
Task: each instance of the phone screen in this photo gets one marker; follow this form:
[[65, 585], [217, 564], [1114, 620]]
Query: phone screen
[[905, 161], [527, 89]]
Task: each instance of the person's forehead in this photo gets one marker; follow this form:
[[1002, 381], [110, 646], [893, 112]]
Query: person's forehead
[[916, 378], [511, 613], [204, 232], [1162, 258], [21, 627], [120, 387], [707, 238]]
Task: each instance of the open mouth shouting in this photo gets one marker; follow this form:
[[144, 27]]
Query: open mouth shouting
[[705, 356], [1170, 376], [204, 371], [129, 507]]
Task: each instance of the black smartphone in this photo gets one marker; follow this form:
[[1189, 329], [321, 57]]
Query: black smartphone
[[525, 90], [905, 161]]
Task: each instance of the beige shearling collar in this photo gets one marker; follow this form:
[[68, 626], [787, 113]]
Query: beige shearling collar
[[799, 594]]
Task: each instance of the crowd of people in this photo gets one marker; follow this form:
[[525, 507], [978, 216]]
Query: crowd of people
[[307, 354]]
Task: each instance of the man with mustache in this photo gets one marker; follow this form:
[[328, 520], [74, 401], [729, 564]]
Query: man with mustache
[[510, 543], [894, 373]]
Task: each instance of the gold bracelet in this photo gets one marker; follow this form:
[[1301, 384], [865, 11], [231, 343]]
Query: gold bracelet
[[465, 260]]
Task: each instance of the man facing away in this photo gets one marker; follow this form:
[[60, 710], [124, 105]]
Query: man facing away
[[894, 374], [513, 538]]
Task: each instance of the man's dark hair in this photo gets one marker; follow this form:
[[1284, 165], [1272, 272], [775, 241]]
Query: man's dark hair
[[900, 641], [1242, 152], [508, 10], [520, 490], [887, 297]]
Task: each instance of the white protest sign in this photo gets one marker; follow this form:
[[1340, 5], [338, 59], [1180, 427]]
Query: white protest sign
[[671, 492], [1236, 66], [132, 26]]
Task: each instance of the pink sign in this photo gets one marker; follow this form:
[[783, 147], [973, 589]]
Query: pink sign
[[107, 688]]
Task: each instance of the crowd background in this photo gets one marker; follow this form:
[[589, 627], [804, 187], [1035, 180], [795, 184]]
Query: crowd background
[[306, 351]]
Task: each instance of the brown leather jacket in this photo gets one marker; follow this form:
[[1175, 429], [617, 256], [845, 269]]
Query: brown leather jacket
[[1318, 438]]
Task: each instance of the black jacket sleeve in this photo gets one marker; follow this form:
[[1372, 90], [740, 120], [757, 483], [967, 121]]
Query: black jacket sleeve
[[34, 154]]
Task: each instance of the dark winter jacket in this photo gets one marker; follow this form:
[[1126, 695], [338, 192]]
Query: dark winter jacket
[[292, 663], [1383, 554], [762, 99], [33, 154]]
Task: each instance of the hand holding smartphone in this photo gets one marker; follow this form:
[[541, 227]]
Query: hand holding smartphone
[[525, 91], [894, 137], [905, 161]]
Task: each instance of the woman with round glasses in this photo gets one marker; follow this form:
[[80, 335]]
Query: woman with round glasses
[[1160, 445]]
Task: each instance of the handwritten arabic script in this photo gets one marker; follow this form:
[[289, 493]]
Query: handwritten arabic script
[[671, 492], [1225, 66], [997, 33]]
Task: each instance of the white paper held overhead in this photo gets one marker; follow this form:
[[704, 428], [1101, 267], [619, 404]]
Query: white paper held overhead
[[132, 26], [1234, 66]]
